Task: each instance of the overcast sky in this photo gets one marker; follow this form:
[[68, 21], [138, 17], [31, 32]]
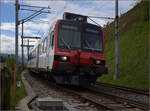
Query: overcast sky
[[102, 8]]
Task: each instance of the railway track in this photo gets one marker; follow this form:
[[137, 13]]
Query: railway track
[[104, 100], [110, 102], [127, 100], [129, 89]]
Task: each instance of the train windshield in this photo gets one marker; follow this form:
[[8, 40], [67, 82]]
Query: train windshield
[[85, 37], [92, 39], [69, 36]]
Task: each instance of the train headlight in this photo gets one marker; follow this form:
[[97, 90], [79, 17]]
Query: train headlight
[[64, 58], [98, 62]]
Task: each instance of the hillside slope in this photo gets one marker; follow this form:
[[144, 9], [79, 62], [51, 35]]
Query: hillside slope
[[134, 58]]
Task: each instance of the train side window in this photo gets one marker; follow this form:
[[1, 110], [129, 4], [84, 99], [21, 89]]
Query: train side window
[[42, 46], [52, 39], [46, 40], [39, 49], [36, 51], [50, 42], [45, 45], [33, 55], [28, 57]]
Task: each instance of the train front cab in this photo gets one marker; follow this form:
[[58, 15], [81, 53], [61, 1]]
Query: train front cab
[[79, 54]]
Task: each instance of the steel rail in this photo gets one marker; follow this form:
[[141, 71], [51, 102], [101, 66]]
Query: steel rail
[[128, 101], [116, 99], [82, 96], [125, 88]]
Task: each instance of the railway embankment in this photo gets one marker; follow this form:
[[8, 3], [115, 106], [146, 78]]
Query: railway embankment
[[134, 53]]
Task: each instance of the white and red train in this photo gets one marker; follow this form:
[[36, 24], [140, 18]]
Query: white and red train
[[71, 52]]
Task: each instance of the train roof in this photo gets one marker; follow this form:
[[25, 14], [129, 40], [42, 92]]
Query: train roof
[[51, 27]]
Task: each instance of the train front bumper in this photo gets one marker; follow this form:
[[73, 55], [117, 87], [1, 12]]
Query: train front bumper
[[66, 67]]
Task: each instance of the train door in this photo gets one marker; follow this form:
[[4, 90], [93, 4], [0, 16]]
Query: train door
[[50, 51], [44, 53], [40, 52], [47, 53], [37, 57]]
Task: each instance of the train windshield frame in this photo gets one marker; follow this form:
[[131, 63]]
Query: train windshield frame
[[69, 36], [92, 39], [84, 36]]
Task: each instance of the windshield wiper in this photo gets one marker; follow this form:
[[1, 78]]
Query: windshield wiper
[[87, 43], [88, 46], [92, 49], [65, 43]]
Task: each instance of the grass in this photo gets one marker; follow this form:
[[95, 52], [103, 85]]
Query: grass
[[134, 58], [20, 91]]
